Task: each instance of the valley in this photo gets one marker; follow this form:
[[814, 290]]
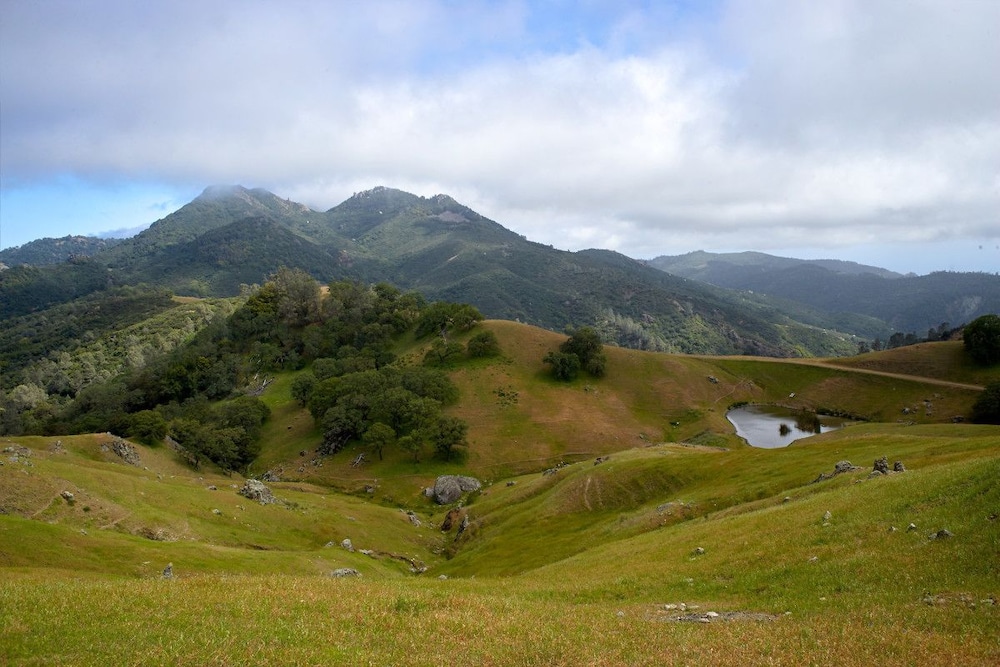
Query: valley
[[615, 514]]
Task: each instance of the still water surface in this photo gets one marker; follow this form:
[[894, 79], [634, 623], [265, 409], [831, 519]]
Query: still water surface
[[761, 425]]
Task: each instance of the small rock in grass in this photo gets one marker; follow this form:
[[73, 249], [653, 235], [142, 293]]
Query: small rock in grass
[[168, 571], [347, 544], [911, 527], [699, 551], [942, 534], [342, 572]]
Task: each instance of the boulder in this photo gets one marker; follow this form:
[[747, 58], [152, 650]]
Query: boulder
[[254, 489], [881, 466], [449, 488]]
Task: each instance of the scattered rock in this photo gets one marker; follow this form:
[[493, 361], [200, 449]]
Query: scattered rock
[[347, 544], [844, 466], [553, 470], [942, 534], [67, 496], [254, 489], [443, 577], [213, 487], [168, 571], [601, 459], [714, 617], [881, 466], [827, 515], [217, 512], [713, 379], [57, 447], [911, 527], [449, 488], [512, 483], [698, 551], [271, 476], [813, 559], [414, 519], [892, 529], [839, 468], [898, 467], [786, 499], [342, 572]]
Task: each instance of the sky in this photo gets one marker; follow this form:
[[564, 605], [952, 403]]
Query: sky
[[866, 130]]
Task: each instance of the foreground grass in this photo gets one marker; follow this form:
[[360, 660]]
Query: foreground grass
[[285, 620], [812, 588]]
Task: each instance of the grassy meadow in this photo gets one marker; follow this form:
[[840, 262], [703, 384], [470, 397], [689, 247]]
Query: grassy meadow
[[616, 514]]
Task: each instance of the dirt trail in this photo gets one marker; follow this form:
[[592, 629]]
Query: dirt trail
[[849, 369]]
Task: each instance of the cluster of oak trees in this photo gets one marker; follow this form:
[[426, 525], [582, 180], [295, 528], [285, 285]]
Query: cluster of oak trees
[[205, 394]]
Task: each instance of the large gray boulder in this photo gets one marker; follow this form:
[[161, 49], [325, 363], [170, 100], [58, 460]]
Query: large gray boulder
[[254, 489], [449, 488]]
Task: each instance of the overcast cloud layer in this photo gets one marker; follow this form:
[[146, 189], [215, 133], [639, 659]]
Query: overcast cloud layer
[[649, 128]]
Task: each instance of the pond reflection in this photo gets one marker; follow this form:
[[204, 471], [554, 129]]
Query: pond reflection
[[771, 427]]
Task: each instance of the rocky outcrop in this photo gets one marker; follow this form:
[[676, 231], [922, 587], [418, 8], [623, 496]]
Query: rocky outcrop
[[126, 451]]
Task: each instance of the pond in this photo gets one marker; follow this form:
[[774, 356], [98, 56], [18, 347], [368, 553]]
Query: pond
[[771, 426]]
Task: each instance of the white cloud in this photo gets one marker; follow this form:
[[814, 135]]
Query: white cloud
[[782, 123]]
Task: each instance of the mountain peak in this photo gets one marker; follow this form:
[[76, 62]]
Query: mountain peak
[[221, 191]]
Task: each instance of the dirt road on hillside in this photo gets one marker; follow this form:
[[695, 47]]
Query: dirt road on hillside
[[849, 369]]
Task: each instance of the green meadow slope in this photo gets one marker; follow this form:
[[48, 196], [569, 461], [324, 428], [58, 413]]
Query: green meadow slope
[[616, 514]]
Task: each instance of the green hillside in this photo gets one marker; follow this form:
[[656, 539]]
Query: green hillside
[[848, 295], [616, 513]]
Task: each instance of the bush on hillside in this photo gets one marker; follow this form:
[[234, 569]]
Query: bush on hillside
[[483, 344], [583, 349], [982, 339], [986, 409]]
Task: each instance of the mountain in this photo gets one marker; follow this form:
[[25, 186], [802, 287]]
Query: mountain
[[902, 303], [230, 236], [700, 265], [44, 252]]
